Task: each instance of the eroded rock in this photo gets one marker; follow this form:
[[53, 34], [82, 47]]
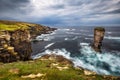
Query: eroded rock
[[98, 37]]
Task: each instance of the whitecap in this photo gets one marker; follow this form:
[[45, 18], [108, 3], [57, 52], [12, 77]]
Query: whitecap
[[62, 52], [66, 39], [49, 45], [89, 38], [76, 37], [108, 32], [45, 37], [91, 35], [84, 30], [84, 44], [110, 37], [102, 63], [73, 33]]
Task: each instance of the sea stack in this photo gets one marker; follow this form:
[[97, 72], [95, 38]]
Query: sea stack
[[98, 37]]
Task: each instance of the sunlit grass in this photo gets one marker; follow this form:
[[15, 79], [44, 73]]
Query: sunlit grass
[[34, 67], [43, 66], [12, 25]]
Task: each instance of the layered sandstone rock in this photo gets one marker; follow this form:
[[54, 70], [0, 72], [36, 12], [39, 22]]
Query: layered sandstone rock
[[16, 45], [98, 37]]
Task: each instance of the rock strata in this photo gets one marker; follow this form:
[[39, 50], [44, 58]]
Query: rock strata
[[16, 45], [98, 37]]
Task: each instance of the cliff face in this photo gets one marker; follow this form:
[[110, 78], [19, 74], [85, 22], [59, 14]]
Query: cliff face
[[16, 45], [20, 40]]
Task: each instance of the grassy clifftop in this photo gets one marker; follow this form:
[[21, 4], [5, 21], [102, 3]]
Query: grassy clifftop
[[14, 25]]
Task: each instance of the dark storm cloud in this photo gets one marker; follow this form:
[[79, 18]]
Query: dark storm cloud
[[13, 9], [63, 12], [11, 4]]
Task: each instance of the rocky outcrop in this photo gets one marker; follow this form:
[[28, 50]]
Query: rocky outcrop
[[16, 45], [38, 30], [20, 40], [7, 53], [98, 37]]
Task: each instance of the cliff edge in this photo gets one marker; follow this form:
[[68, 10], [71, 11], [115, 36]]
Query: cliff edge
[[15, 39]]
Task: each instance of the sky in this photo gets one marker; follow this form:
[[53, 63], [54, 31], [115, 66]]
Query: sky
[[62, 12]]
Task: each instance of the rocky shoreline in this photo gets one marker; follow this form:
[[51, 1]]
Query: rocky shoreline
[[16, 45]]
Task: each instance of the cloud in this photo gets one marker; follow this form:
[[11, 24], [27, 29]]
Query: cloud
[[62, 12]]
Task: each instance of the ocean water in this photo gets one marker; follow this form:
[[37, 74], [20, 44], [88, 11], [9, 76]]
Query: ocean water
[[74, 44]]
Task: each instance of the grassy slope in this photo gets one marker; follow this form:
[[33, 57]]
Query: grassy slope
[[44, 67], [13, 25], [34, 67]]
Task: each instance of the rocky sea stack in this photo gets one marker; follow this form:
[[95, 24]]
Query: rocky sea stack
[[98, 37]]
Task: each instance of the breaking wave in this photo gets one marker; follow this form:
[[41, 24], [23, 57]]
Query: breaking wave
[[47, 46], [110, 37], [101, 63], [45, 37]]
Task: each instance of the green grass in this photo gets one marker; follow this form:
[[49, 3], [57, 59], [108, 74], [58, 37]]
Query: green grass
[[40, 66], [12, 25], [35, 67]]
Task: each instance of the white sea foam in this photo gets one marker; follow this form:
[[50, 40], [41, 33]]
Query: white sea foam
[[66, 39], [73, 33], [110, 37], [76, 37], [84, 44], [91, 35], [89, 38], [47, 46], [102, 63], [108, 32], [45, 37], [68, 29], [84, 30], [62, 52]]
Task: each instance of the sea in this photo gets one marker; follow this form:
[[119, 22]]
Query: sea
[[74, 43]]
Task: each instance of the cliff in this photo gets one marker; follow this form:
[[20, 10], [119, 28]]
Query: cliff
[[15, 39]]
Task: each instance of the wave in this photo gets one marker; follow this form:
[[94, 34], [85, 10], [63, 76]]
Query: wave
[[62, 52], [67, 29], [102, 63], [49, 45], [110, 37], [74, 38], [66, 39], [109, 32], [73, 33], [84, 30], [89, 38], [45, 37]]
